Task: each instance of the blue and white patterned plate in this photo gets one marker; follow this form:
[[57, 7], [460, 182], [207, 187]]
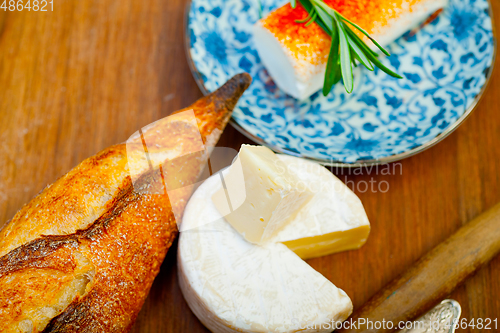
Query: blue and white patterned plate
[[446, 66]]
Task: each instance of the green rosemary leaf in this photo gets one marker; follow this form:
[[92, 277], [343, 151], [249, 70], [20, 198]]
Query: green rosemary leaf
[[364, 33], [293, 3], [358, 52], [370, 54], [307, 18], [313, 18], [333, 72], [380, 65], [325, 17], [354, 57], [328, 10], [309, 7], [359, 42], [345, 58]]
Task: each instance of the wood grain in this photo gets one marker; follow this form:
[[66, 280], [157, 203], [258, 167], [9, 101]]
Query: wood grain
[[90, 73], [433, 277]]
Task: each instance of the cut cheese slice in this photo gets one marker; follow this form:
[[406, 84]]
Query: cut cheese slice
[[333, 220], [296, 55], [234, 286], [269, 194]]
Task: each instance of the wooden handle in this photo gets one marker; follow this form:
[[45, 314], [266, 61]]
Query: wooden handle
[[433, 277]]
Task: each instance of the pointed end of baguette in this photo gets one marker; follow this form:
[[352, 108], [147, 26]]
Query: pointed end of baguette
[[214, 110], [232, 90]]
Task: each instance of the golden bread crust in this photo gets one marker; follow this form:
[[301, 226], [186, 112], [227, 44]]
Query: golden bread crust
[[82, 255]]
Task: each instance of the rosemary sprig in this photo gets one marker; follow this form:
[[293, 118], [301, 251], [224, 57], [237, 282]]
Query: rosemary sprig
[[347, 47], [259, 4]]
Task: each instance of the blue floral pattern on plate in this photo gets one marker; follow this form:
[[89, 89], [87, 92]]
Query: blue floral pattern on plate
[[445, 67]]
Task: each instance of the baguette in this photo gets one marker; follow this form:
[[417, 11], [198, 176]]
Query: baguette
[[82, 255]]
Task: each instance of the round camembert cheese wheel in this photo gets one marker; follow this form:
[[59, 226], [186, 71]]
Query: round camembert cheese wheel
[[232, 285]]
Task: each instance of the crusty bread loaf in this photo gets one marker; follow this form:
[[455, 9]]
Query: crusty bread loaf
[[82, 255]]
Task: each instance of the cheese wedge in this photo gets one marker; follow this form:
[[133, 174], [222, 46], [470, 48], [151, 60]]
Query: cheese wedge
[[268, 196], [334, 220], [295, 55], [235, 286]]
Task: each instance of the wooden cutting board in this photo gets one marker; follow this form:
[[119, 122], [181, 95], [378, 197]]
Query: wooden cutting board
[[91, 73]]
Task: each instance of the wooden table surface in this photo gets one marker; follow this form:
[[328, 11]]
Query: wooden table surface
[[91, 73]]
